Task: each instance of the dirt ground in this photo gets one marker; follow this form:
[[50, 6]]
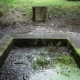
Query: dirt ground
[[14, 22], [54, 25]]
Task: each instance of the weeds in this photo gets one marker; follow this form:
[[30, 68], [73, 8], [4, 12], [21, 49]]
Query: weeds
[[62, 59], [41, 62], [56, 8]]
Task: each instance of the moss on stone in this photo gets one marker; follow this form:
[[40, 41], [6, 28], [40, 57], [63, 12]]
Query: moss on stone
[[77, 50]]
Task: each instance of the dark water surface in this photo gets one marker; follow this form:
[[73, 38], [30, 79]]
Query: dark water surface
[[39, 63]]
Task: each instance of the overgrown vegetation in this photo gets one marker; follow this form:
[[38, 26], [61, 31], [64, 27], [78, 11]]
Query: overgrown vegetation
[[56, 8], [8, 3], [62, 59]]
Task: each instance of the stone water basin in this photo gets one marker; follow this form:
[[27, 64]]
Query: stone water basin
[[39, 59]]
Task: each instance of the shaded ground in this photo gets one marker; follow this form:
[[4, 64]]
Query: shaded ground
[[22, 29], [54, 25]]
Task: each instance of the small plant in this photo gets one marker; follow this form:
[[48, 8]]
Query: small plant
[[40, 61], [35, 65]]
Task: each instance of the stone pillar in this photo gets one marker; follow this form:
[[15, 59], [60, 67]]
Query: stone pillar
[[40, 14]]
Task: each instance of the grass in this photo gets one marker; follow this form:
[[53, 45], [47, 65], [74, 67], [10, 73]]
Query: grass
[[48, 3], [27, 4], [63, 59], [56, 7], [39, 62]]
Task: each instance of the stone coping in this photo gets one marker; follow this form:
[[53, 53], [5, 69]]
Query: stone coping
[[7, 39]]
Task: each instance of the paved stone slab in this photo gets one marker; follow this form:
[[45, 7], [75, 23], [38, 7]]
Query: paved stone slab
[[4, 43]]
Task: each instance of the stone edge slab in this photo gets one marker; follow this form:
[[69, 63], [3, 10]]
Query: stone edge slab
[[9, 38]]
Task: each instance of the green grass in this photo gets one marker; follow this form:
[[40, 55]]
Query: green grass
[[47, 3], [63, 59], [56, 7]]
